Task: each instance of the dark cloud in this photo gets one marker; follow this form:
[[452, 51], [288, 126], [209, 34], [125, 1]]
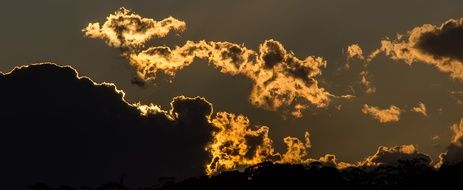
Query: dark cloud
[[454, 152], [444, 42], [453, 155], [440, 46], [59, 128]]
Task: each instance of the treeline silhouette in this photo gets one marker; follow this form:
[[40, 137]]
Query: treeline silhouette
[[408, 174]]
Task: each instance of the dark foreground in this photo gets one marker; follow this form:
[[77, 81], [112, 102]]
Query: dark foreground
[[406, 175]]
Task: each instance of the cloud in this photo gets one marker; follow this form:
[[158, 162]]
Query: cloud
[[60, 128], [392, 156], [454, 152], [440, 46], [391, 114], [457, 130], [330, 160], [435, 140], [281, 80], [367, 84], [125, 29], [297, 150], [55, 117], [235, 144], [148, 63], [457, 96], [354, 51], [420, 108]]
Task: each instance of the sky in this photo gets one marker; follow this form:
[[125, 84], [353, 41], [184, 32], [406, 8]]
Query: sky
[[405, 88]]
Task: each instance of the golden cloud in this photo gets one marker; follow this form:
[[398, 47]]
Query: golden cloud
[[297, 150], [440, 46], [354, 51], [367, 84], [457, 130], [281, 80], [235, 144], [420, 108], [391, 114], [126, 29]]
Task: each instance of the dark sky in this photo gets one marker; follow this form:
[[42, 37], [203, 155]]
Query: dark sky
[[51, 31]]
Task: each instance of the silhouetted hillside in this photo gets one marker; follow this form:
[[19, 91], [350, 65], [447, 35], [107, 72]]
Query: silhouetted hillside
[[406, 175]]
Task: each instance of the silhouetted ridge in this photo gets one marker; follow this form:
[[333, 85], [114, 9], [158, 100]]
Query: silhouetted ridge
[[268, 175]]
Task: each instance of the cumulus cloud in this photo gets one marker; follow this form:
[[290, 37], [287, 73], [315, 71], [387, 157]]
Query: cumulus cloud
[[454, 152], [440, 46], [92, 126], [297, 150], [391, 114], [125, 29], [392, 156], [66, 129], [281, 80], [420, 108], [235, 144], [71, 119]]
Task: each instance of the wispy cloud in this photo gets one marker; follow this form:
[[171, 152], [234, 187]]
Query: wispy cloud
[[420, 108]]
